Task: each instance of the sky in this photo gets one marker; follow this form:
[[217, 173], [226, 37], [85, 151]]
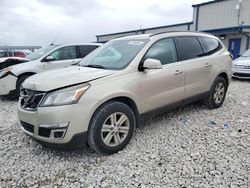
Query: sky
[[39, 22]]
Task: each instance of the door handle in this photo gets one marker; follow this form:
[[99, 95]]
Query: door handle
[[177, 72], [207, 65]]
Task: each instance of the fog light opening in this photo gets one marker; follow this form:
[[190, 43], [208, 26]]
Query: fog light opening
[[53, 131], [57, 133]]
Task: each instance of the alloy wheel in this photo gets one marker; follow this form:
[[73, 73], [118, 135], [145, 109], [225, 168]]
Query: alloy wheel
[[219, 93], [115, 129]]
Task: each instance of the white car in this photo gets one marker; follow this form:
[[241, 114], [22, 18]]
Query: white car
[[241, 66], [14, 71]]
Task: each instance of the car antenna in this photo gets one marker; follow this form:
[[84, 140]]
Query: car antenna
[[53, 42]]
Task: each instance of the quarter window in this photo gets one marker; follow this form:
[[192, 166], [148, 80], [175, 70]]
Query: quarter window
[[210, 45], [85, 50], [190, 47], [64, 53], [163, 50]]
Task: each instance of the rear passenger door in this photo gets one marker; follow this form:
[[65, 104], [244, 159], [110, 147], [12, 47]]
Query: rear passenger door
[[62, 57], [161, 87], [196, 66]]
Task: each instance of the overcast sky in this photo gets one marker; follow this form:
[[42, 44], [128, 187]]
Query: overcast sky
[[39, 22]]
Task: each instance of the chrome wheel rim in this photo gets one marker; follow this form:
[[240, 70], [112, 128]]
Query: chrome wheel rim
[[219, 93], [115, 129]]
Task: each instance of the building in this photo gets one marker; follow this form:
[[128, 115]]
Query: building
[[227, 19]]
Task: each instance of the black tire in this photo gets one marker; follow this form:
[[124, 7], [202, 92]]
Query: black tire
[[210, 101], [19, 83], [95, 139]]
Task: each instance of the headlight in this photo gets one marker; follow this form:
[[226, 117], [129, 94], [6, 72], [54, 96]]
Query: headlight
[[65, 96]]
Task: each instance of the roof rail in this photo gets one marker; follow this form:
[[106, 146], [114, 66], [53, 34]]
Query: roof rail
[[154, 34]]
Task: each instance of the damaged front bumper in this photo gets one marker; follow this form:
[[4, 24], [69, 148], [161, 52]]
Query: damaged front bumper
[[7, 83]]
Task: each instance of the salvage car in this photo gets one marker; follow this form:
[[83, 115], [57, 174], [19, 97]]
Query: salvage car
[[101, 102], [13, 71], [241, 66]]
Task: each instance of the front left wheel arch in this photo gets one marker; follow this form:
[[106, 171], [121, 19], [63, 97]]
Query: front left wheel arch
[[20, 79], [128, 101]]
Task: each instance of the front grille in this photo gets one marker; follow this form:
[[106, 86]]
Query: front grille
[[27, 127], [30, 99], [242, 74], [243, 67], [45, 132]]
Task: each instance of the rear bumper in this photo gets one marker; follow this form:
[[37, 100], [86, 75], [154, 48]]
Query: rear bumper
[[7, 84]]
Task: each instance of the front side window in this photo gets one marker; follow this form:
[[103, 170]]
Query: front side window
[[210, 45], [116, 54], [64, 53], [189, 47], [164, 51], [85, 50]]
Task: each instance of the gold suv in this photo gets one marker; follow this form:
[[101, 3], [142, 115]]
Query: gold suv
[[100, 102]]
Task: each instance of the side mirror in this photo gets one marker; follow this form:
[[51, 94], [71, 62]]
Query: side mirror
[[152, 64], [49, 58]]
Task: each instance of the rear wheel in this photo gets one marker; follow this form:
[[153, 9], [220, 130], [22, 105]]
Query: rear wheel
[[217, 93], [111, 127]]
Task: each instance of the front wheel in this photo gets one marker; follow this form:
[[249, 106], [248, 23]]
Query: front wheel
[[111, 127], [217, 93]]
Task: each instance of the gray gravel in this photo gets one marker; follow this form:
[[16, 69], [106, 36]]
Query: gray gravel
[[178, 149]]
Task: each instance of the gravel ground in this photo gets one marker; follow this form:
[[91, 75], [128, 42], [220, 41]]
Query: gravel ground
[[179, 149]]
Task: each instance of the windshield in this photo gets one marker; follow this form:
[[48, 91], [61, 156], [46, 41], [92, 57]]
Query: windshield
[[246, 53], [116, 54], [39, 53]]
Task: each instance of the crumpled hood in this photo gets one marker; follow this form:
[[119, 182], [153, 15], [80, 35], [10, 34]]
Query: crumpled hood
[[10, 61], [59, 78], [2, 59]]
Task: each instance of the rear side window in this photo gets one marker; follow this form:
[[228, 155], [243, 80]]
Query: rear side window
[[189, 47], [163, 50], [210, 45], [85, 50]]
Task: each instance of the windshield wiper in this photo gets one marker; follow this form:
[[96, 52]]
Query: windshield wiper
[[95, 66]]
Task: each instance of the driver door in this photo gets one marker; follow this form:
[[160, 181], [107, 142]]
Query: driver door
[[162, 87], [62, 57]]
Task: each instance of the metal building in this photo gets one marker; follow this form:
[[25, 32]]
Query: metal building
[[227, 19]]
